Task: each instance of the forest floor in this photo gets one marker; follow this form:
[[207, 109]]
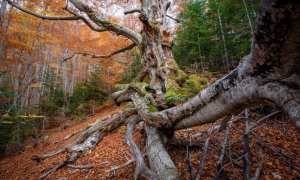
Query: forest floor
[[277, 137]]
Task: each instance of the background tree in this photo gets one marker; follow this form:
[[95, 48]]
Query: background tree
[[204, 24]]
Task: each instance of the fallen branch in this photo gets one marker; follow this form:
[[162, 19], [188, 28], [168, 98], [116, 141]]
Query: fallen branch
[[219, 165], [203, 155], [87, 145], [246, 159], [129, 162], [190, 165], [176, 141], [80, 167], [264, 118], [260, 165], [115, 168], [70, 135], [105, 125]]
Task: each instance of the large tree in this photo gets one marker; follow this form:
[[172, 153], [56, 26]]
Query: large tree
[[269, 74]]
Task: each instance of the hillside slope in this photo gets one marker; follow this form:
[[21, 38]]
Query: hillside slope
[[281, 152]]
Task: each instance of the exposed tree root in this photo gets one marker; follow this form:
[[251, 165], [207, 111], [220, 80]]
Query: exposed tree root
[[141, 167], [159, 159]]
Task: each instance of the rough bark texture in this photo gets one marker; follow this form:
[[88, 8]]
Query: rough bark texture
[[159, 158], [156, 47]]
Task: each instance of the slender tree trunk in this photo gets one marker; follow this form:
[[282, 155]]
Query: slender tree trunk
[[65, 78], [248, 16], [4, 34], [200, 57], [73, 76], [2, 12], [223, 39]]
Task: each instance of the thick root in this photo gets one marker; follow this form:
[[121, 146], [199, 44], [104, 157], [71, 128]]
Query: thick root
[[141, 167], [159, 158]]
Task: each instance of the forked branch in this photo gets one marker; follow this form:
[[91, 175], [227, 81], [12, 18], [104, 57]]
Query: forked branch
[[97, 18], [41, 15], [129, 47]]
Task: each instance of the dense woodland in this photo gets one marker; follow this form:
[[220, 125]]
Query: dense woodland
[[194, 89]]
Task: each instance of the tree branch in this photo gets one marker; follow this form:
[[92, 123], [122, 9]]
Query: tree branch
[[246, 158], [132, 11], [177, 20], [203, 155], [100, 21], [94, 27], [40, 15], [129, 47]]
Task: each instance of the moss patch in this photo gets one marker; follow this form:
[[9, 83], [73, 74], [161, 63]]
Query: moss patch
[[152, 108], [189, 85]]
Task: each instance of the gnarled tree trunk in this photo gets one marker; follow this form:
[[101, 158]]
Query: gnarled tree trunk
[[156, 45]]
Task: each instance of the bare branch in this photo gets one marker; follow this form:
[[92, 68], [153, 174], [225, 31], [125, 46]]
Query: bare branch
[[203, 155], [89, 144], [219, 169], [246, 158], [115, 168], [132, 11], [129, 162], [75, 17], [260, 165], [264, 118], [80, 167], [100, 21], [94, 27], [189, 164], [177, 20], [42, 16], [103, 56]]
